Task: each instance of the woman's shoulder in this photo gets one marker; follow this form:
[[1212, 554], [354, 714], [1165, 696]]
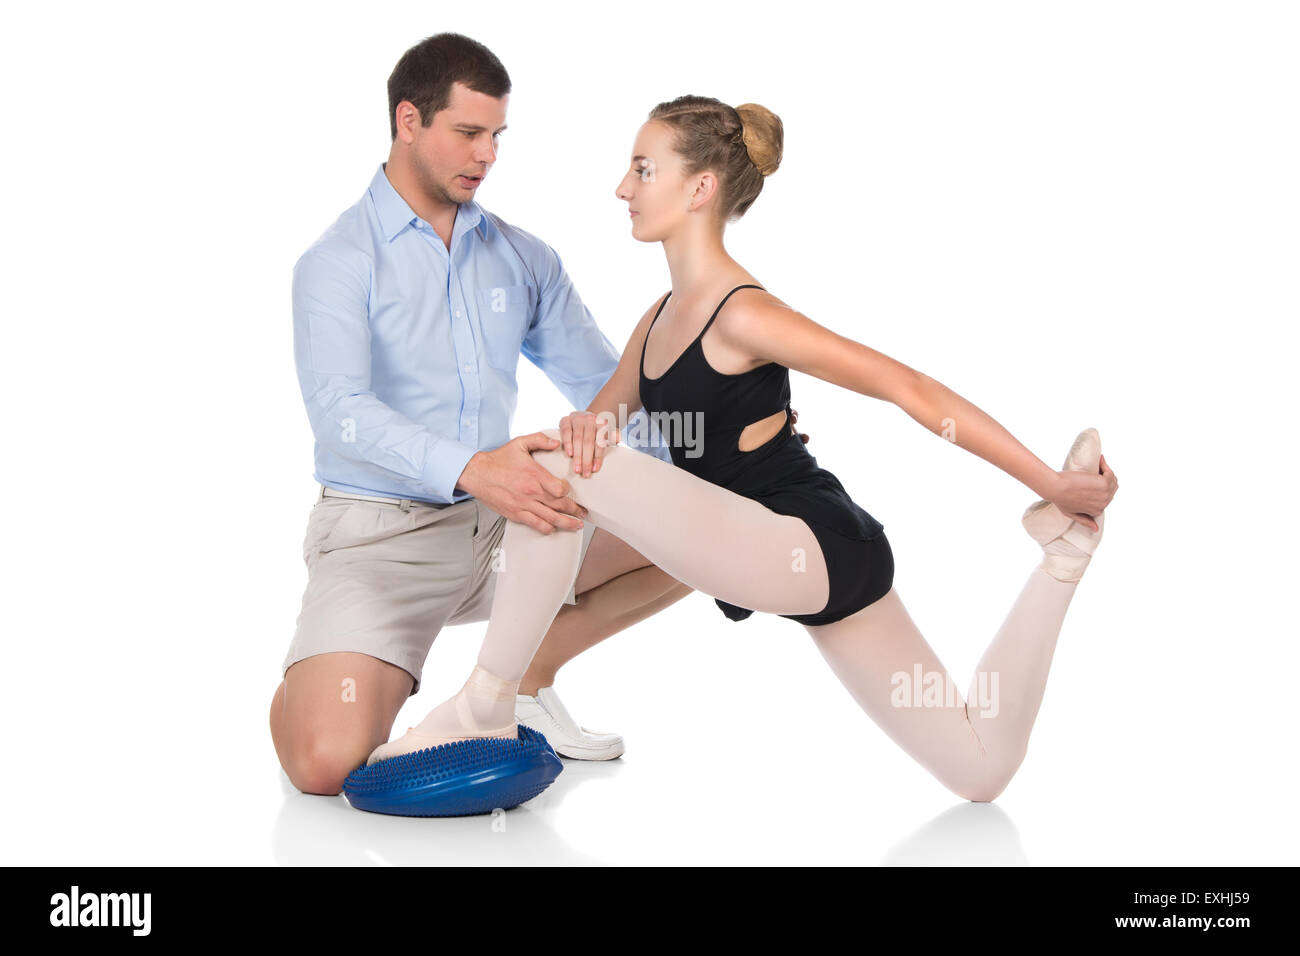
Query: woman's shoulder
[[748, 306]]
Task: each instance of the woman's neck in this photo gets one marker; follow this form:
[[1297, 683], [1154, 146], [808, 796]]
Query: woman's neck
[[696, 260]]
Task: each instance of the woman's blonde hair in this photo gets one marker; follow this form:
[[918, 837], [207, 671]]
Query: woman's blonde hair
[[742, 144]]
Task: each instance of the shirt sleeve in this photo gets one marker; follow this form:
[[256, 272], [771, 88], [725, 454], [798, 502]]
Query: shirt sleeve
[[331, 334], [563, 339], [564, 342]]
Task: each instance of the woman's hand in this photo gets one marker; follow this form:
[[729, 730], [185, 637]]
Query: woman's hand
[[585, 436], [1083, 496]]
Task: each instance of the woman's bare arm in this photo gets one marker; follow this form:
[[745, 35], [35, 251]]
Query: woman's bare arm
[[771, 331], [617, 401], [623, 390]]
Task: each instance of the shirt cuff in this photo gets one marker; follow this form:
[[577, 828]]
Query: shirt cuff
[[444, 468]]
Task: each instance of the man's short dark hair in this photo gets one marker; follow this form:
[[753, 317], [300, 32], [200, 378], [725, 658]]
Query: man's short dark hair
[[425, 74]]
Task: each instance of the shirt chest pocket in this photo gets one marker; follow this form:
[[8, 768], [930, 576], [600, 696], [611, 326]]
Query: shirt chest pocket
[[504, 311]]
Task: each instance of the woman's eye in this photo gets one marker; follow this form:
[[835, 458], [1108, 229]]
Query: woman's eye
[[647, 171]]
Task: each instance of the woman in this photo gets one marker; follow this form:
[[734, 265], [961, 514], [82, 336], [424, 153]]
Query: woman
[[750, 518]]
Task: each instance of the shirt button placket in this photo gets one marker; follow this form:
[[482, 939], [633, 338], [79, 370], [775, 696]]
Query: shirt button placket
[[469, 382]]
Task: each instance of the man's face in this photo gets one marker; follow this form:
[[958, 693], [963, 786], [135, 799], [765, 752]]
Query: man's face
[[454, 152]]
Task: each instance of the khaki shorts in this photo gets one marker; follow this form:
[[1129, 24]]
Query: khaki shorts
[[383, 580]]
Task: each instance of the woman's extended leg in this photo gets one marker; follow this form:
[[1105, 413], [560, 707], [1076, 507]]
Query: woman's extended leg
[[972, 746], [714, 540]]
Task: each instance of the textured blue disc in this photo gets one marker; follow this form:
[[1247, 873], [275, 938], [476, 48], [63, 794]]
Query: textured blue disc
[[457, 779]]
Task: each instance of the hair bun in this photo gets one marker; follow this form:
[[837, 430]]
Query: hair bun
[[763, 135]]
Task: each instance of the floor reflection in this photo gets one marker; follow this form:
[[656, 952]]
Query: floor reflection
[[969, 834], [317, 830]]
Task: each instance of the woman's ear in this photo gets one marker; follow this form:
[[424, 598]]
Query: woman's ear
[[705, 186]]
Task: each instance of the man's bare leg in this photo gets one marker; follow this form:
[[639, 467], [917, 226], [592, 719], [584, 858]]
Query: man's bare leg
[[616, 587], [330, 711]]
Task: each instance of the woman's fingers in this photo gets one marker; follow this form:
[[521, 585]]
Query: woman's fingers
[[1087, 520], [566, 434], [606, 435], [588, 446], [585, 438]]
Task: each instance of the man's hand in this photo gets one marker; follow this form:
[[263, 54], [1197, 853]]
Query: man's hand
[[794, 417], [509, 482]]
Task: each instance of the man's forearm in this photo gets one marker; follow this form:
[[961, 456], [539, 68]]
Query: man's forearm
[[360, 428], [945, 413]]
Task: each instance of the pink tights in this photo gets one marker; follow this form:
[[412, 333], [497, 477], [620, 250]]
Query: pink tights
[[731, 547]]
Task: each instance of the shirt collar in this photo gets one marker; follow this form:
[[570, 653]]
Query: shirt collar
[[395, 215]]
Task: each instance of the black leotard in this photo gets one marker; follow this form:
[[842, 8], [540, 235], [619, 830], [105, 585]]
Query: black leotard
[[780, 473]]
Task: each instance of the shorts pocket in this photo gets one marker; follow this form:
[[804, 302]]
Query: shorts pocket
[[368, 522], [504, 312], [324, 518]]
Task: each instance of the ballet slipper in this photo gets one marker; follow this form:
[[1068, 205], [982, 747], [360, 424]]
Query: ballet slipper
[[413, 740], [1067, 545], [484, 698]]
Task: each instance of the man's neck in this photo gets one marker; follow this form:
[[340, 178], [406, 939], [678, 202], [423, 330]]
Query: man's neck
[[438, 214]]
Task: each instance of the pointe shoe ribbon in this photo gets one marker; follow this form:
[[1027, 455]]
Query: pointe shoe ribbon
[[1067, 545]]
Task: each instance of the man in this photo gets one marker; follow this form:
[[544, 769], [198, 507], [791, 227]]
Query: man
[[410, 313]]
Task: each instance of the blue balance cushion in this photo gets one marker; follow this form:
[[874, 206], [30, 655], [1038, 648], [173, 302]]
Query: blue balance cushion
[[457, 779]]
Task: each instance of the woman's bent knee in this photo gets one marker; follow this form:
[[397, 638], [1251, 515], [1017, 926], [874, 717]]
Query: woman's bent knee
[[990, 778], [557, 461]]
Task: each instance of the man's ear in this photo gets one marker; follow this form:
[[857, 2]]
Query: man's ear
[[408, 117]]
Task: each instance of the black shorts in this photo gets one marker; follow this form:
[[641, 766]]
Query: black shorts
[[859, 561], [861, 573]]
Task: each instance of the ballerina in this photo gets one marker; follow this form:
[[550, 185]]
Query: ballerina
[[747, 515]]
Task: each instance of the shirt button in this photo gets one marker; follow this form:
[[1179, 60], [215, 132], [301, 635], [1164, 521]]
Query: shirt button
[[458, 313], [468, 367]]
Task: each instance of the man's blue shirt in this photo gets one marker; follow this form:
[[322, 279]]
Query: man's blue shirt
[[406, 351]]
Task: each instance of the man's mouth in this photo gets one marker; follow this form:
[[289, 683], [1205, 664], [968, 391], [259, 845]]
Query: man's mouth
[[470, 181]]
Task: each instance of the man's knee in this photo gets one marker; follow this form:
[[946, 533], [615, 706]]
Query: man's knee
[[321, 763]]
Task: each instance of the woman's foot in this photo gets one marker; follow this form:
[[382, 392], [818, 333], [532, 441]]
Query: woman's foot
[[1067, 545], [484, 707]]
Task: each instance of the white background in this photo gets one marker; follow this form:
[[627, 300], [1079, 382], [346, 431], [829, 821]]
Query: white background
[[1073, 214]]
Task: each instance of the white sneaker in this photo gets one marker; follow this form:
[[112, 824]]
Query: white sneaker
[[546, 715]]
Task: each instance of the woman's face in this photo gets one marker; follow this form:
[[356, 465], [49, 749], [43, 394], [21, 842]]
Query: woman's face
[[655, 189]]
